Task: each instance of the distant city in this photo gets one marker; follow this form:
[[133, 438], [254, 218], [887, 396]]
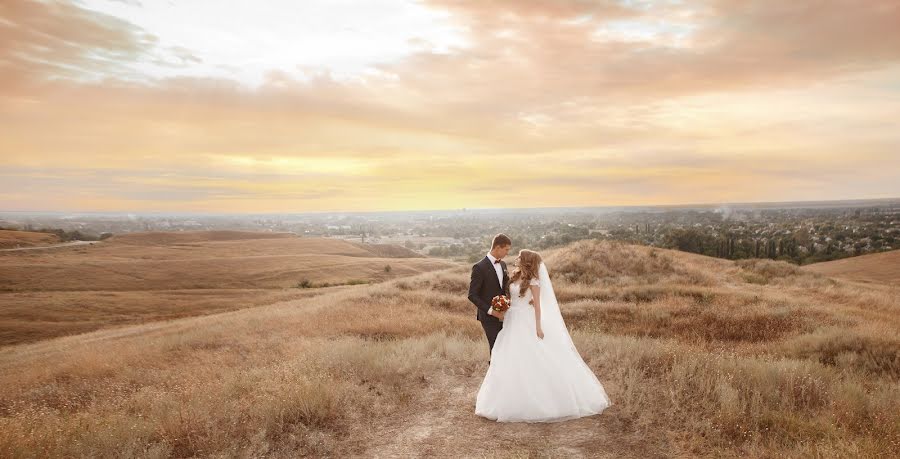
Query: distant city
[[798, 232]]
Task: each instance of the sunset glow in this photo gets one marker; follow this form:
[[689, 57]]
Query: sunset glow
[[288, 106]]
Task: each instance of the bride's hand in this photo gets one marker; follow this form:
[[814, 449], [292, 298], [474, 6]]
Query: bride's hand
[[540, 333]]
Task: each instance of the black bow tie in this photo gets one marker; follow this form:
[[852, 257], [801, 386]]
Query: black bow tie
[[496, 261]]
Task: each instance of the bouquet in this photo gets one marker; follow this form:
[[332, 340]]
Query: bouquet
[[500, 303]]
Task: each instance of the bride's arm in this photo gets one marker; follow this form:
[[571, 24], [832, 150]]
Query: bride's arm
[[536, 299]]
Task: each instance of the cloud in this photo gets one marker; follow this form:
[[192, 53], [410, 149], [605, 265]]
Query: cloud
[[54, 39], [588, 102], [545, 59]]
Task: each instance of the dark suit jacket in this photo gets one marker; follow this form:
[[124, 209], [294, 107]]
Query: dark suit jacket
[[484, 286]]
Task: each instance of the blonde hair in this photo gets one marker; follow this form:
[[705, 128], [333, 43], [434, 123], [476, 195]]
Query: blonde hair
[[527, 268]]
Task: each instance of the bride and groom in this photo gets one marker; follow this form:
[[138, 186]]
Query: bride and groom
[[535, 374]]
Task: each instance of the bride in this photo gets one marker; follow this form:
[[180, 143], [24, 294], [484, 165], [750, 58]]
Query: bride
[[536, 374]]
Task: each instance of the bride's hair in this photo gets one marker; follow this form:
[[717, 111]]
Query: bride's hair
[[526, 269]]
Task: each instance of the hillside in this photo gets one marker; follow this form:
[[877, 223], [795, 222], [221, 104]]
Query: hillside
[[187, 237], [881, 267], [700, 356], [161, 261], [389, 250], [140, 277], [10, 239]]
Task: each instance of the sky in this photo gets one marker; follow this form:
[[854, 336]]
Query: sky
[[335, 105]]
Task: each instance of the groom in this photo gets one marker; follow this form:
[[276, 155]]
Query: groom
[[489, 279]]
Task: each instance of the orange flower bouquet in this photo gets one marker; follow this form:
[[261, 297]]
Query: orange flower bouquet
[[500, 303]]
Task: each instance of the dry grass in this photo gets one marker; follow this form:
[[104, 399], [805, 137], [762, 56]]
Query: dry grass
[[721, 404], [27, 317], [798, 366], [163, 238], [706, 319], [287, 379], [140, 277], [873, 349], [268, 262], [388, 250], [10, 239], [761, 271], [606, 263], [881, 267]]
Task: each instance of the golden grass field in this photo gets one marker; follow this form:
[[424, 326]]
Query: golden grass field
[[883, 267], [10, 239], [141, 277], [700, 356]]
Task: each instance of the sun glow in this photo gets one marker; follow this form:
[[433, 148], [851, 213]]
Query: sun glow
[[307, 165]]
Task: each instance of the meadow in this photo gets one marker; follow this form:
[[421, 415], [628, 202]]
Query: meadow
[[12, 239], [700, 357], [143, 277], [881, 267]]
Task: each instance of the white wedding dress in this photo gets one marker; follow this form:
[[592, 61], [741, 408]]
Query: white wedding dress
[[537, 380]]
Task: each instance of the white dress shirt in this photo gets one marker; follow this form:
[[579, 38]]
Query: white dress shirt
[[499, 270]]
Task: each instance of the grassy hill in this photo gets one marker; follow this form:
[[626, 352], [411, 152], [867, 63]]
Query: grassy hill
[[188, 237], [874, 267], [700, 356], [140, 277], [10, 239]]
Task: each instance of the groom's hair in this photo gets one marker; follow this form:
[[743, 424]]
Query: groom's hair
[[501, 240]]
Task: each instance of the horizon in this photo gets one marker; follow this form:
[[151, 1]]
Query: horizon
[[408, 106], [697, 205]]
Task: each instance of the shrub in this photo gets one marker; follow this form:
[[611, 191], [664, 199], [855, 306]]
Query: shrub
[[868, 354], [761, 271]]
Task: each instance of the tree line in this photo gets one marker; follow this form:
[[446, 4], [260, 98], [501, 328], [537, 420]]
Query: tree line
[[785, 247]]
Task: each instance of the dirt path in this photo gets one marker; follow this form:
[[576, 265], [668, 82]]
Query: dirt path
[[445, 424], [41, 247]]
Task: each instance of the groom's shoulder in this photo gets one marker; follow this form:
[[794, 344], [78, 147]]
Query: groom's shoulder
[[479, 262]]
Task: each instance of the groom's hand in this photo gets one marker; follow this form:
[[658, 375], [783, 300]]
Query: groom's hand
[[497, 314]]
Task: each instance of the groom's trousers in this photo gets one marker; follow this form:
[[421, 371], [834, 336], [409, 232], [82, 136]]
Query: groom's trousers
[[491, 329]]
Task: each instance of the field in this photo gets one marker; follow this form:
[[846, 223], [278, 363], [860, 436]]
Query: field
[[141, 277], [11, 239], [700, 356], [881, 267]]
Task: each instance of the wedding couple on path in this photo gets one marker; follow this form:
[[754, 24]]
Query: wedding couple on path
[[535, 372]]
